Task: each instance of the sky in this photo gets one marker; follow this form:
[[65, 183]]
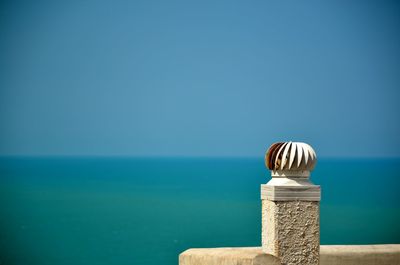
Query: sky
[[199, 78]]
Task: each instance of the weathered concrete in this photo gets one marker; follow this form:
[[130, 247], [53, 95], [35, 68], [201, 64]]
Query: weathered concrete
[[330, 255], [290, 219], [290, 231], [226, 256], [360, 255]]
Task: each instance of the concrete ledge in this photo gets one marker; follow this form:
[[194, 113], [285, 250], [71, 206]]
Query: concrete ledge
[[226, 256], [330, 255], [362, 254]]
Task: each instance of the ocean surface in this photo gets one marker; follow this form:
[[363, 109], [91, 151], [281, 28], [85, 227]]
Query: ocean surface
[[115, 211]]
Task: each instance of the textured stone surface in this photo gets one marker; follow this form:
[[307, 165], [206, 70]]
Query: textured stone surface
[[269, 235], [330, 255], [290, 231]]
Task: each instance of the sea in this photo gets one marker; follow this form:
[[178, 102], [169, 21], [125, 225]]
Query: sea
[[118, 210]]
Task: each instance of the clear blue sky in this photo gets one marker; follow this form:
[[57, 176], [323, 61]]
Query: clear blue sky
[[199, 78]]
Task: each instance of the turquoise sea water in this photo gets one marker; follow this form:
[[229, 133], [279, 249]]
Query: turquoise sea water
[[146, 211]]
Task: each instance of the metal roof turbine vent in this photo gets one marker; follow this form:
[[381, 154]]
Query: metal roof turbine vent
[[290, 159], [290, 164]]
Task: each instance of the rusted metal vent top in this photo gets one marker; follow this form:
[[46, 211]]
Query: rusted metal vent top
[[290, 156]]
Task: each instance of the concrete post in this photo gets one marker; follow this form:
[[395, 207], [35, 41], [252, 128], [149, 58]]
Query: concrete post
[[290, 205]]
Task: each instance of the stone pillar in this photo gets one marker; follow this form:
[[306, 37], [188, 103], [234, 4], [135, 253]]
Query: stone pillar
[[290, 205]]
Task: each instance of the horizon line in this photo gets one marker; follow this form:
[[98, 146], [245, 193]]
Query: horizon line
[[176, 156]]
